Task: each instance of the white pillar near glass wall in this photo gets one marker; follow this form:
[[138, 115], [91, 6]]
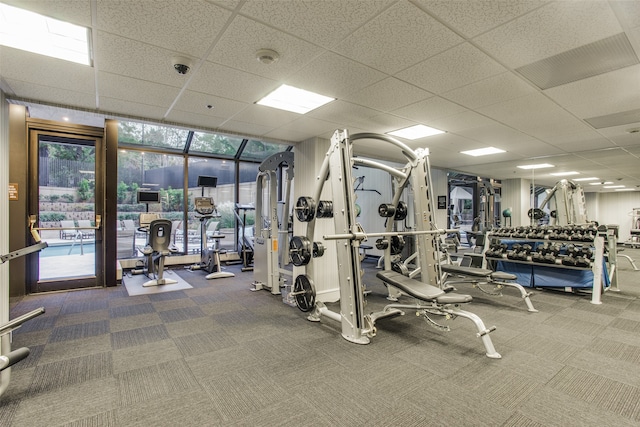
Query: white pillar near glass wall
[[516, 195], [309, 155]]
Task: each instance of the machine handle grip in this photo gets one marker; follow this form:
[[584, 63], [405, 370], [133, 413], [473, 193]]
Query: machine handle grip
[[13, 357]]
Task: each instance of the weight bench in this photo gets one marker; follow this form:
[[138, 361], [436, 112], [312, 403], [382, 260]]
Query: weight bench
[[476, 276], [440, 303]]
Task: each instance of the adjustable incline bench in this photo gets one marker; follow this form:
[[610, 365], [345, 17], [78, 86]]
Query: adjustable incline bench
[[439, 303], [477, 276]]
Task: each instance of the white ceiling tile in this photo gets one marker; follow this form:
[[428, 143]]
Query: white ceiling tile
[[334, 75], [303, 128], [601, 95], [230, 83], [134, 90], [475, 17], [52, 94], [144, 61], [266, 116], [458, 66], [400, 37], [498, 135], [229, 4], [238, 46], [200, 120], [429, 110], [550, 30], [321, 22], [74, 11], [342, 112], [628, 13], [197, 102], [580, 141], [383, 123], [188, 27], [492, 90], [461, 121], [387, 95], [130, 108], [527, 112], [247, 129], [56, 73]]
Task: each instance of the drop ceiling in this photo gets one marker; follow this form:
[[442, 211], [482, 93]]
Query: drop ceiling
[[548, 81]]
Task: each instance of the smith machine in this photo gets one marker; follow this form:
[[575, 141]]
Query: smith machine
[[429, 298]]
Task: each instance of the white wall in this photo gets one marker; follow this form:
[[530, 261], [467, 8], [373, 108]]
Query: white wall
[[615, 208], [440, 183]]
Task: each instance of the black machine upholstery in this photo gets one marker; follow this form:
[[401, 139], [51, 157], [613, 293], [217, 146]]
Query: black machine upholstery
[[160, 236], [158, 247], [476, 272], [419, 290]]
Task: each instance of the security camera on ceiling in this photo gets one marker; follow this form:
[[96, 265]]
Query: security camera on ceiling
[[182, 64]]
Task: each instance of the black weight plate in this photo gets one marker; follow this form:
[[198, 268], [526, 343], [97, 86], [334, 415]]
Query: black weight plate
[[304, 293], [305, 209], [300, 250], [401, 211]]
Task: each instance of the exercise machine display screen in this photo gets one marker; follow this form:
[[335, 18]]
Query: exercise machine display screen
[[204, 205]]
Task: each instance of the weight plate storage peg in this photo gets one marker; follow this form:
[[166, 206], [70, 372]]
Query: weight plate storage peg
[[305, 209], [325, 209], [318, 249], [304, 293], [397, 245], [300, 250], [386, 210], [401, 211]]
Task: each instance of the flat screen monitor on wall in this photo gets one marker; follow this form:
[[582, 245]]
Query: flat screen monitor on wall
[[148, 197], [207, 181]]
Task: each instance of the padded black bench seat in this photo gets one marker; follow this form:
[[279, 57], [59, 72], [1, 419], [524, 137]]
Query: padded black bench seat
[[477, 272], [466, 271], [419, 290]]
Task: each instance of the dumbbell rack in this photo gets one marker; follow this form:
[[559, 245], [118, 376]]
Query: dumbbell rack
[[597, 266]]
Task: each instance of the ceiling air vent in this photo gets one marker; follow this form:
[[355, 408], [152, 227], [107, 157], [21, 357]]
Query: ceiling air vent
[[616, 119], [590, 60]]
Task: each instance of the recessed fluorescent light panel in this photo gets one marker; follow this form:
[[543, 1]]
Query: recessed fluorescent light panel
[[613, 186], [625, 189], [538, 166], [296, 100], [482, 151], [565, 173], [415, 132], [601, 183], [591, 178], [24, 30]]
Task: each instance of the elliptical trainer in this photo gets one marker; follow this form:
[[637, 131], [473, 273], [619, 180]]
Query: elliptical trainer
[[206, 210]]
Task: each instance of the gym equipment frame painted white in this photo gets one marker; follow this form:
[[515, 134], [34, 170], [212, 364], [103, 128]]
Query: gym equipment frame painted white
[[271, 243], [336, 170]]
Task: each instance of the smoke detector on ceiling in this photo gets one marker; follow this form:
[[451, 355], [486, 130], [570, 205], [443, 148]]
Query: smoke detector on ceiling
[[267, 56]]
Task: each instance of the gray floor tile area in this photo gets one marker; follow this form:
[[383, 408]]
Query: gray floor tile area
[[220, 355]]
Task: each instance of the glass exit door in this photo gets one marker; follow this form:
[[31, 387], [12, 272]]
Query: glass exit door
[[68, 211]]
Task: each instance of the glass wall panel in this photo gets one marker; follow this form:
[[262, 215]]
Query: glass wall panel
[[213, 143], [137, 171], [223, 195], [260, 150], [133, 133]]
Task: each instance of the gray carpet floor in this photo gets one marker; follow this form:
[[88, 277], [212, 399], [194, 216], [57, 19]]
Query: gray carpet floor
[[221, 355]]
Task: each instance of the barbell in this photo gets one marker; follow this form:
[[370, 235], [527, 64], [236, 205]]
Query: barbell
[[362, 236]]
